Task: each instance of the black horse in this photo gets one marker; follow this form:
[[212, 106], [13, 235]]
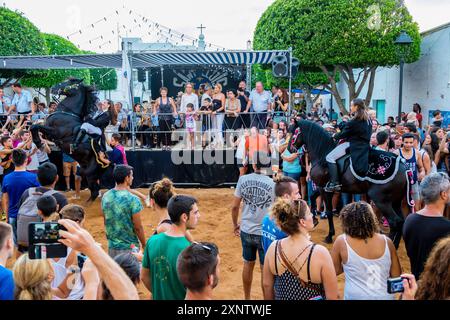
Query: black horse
[[62, 125], [387, 197]]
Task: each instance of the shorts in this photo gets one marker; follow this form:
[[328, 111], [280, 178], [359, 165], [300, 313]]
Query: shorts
[[78, 173], [415, 193], [295, 176], [13, 223], [303, 173], [69, 167], [252, 243], [115, 252]]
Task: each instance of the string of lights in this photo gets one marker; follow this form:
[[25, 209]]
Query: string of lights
[[136, 24]]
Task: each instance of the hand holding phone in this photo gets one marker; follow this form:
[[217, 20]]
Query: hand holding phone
[[44, 241], [395, 285]]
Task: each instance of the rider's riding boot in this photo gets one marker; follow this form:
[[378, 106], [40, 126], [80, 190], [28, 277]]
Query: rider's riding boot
[[78, 139], [334, 184]]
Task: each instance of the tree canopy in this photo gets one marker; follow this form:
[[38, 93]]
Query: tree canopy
[[340, 36], [18, 37], [104, 79], [46, 79]]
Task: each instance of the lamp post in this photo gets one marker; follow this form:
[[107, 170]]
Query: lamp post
[[403, 41]]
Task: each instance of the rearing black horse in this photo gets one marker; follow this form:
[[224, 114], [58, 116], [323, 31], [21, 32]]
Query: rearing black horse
[[387, 197], [62, 125]]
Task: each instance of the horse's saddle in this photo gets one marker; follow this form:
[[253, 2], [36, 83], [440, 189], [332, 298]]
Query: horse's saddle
[[383, 166], [343, 163]]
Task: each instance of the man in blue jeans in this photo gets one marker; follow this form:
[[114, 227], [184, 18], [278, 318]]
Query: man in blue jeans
[[257, 192], [14, 185]]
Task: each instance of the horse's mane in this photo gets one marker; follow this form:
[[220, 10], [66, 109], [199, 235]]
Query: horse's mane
[[90, 103], [318, 142]]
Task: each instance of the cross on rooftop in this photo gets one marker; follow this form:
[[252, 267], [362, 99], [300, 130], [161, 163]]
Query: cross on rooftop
[[201, 28]]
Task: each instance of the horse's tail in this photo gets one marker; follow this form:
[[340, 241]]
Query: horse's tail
[[409, 183]]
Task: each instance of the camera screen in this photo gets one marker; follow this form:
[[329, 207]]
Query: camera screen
[[46, 232]]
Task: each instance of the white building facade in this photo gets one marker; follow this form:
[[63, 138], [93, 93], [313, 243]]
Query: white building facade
[[426, 82]]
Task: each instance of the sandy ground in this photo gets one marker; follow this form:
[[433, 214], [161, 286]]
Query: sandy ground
[[215, 226]]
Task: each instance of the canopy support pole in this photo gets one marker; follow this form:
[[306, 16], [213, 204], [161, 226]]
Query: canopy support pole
[[290, 82]]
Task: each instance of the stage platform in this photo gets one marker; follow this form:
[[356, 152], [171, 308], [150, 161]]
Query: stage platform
[[186, 168]]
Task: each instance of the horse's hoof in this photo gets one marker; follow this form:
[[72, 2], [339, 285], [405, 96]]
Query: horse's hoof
[[328, 240]]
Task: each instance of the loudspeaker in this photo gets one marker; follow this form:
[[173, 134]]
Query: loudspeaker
[[295, 67], [280, 67], [142, 75]]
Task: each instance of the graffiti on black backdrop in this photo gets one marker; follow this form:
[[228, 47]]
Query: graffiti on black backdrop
[[198, 77]]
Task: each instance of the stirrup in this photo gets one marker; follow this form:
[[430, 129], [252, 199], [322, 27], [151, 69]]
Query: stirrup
[[331, 187]]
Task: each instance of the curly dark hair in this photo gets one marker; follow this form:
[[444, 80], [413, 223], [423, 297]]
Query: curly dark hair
[[434, 283], [359, 221], [287, 213]]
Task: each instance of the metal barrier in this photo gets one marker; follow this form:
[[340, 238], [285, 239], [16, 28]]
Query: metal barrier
[[204, 129], [184, 131]]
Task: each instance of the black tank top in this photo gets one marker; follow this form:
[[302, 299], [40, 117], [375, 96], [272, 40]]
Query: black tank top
[[168, 221], [217, 104], [165, 109], [10, 168]]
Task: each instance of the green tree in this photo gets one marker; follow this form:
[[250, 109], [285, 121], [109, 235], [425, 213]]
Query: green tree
[[104, 79], [46, 79], [306, 80], [351, 38], [18, 37]]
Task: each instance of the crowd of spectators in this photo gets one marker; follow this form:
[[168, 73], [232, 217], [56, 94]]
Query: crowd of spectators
[[269, 216]]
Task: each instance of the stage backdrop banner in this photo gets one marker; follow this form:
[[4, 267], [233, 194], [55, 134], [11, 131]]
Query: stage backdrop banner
[[152, 166], [175, 79]]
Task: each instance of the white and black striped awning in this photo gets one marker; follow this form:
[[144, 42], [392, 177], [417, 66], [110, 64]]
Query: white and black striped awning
[[140, 59]]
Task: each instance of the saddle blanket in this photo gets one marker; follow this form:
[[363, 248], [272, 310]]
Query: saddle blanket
[[383, 166]]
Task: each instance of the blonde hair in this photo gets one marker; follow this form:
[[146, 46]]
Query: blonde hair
[[31, 278], [287, 214], [219, 86]]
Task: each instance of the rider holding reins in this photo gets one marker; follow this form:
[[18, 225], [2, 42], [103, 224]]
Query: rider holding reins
[[356, 134], [96, 124]]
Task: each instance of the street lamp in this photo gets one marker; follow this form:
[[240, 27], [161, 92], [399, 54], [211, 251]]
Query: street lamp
[[403, 42]]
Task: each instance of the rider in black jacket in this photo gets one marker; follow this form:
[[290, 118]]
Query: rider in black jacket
[[96, 124], [356, 133]]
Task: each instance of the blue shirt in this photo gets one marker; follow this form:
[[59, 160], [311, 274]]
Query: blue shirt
[[260, 101], [22, 101], [14, 184], [67, 158], [291, 167], [115, 156], [4, 103], [270, 233], [6, 284]]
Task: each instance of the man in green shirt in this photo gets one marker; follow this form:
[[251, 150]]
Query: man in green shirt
[[159, 265], [122, 214]]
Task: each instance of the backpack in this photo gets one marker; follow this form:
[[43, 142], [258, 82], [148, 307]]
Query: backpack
[[28, 214]]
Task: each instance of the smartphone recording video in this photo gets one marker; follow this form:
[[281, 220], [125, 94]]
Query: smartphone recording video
[[395, 285], [44, 244]]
